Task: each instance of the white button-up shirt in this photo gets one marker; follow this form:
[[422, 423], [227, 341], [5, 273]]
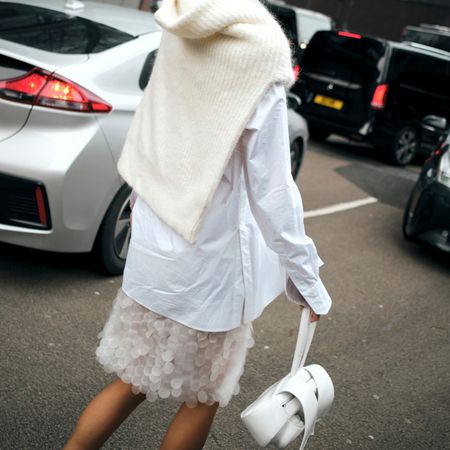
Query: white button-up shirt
[[250, 246]]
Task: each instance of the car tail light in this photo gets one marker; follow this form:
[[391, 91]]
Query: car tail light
[[349, 35], [296, 71], [379, 96], [39, 87], [435, 153], [443, 172]]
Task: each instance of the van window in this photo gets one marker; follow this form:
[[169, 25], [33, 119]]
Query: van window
[[56, 32], [345, 58], [420, 73], [310, 25]]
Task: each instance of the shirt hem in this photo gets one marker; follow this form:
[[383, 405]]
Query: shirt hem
[[193, 326]]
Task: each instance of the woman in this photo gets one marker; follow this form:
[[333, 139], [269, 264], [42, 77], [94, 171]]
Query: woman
[[217, 225]]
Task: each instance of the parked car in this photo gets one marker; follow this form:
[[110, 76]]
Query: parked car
[[427, 213], [431, 35], [299, 24], [70, 81], [298, 134], [373, 90]]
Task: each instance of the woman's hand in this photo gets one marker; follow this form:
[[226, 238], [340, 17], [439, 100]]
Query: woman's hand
[[313, 317]]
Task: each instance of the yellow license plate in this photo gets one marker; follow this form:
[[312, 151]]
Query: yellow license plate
[[328, 102]]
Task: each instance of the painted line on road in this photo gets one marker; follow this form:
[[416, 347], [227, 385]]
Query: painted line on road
[[339, 207]]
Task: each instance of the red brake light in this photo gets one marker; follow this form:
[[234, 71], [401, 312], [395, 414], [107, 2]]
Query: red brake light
[[39, 87], [21, 89], [379, 96], [349, 35], [296, 72]]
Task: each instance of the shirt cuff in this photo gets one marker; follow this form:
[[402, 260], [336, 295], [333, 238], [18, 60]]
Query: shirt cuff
[[316, 296]]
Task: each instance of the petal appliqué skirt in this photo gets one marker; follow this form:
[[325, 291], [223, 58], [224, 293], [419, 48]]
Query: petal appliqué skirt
[[165, 359]]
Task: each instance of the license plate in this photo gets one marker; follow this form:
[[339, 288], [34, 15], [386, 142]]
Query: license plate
[[328, 102]]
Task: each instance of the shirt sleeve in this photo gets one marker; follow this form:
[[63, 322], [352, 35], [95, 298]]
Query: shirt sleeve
[[276, 203]]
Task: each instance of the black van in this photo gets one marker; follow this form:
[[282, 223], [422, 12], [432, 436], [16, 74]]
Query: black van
[[373, 90]]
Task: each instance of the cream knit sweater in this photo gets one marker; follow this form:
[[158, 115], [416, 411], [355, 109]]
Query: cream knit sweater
[[216, 60]]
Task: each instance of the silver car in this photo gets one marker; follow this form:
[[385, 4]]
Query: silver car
[[71, 77]]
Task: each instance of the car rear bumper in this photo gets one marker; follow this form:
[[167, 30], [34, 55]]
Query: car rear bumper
[[359, 133], [430, 221], [73, 165]]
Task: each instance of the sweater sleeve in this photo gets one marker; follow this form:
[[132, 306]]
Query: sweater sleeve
[[276, 203]]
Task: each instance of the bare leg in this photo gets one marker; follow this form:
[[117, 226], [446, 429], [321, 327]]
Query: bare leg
[[106, 411], [189, 428]]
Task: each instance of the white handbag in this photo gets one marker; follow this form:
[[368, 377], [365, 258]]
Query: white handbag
[[294, 404]]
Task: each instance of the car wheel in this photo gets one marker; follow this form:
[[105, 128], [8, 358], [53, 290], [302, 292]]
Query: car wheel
[[115, 232], [407, 216], [296, 157], [404, 146]]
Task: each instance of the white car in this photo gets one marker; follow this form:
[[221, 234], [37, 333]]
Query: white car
[[71, 77], [300, 24]]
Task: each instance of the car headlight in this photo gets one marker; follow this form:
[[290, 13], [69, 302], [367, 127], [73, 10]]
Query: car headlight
[[443, 172]]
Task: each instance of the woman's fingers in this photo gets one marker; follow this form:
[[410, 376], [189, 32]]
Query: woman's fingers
[[313, 317]]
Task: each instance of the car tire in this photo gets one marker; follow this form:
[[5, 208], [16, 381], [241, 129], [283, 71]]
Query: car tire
[[114, 235], [404, 146], [406, 220], [296, 157]]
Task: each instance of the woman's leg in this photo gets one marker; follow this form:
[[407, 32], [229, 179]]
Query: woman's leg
[[189, 428], [106, 411]]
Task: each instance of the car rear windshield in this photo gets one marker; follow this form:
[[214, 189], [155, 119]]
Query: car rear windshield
[[55, 31], [430, 38], [309, 25], [344, 56]]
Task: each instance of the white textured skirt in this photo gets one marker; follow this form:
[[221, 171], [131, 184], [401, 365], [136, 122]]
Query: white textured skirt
[[162, 358]]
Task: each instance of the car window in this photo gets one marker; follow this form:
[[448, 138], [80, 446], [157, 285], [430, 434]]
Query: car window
[[353, 59], [56, 32], [425, 37], [309, 25], [419, 72], [12, 68], [147, 69]]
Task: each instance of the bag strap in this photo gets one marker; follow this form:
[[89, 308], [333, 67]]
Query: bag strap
[[305, 335]]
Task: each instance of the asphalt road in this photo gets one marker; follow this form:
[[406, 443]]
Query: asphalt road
[[385, 344]]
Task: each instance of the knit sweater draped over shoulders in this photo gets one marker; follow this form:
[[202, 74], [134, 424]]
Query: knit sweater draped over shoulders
[[215, 62]]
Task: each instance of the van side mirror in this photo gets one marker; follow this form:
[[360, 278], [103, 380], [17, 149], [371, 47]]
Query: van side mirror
[[433, 123], [293, 101]]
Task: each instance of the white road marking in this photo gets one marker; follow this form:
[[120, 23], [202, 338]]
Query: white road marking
[[339, 207]]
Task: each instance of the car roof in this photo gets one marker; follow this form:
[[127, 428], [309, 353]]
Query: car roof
[[128, 20], [434, 29], [406, 45], [420, 48]]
